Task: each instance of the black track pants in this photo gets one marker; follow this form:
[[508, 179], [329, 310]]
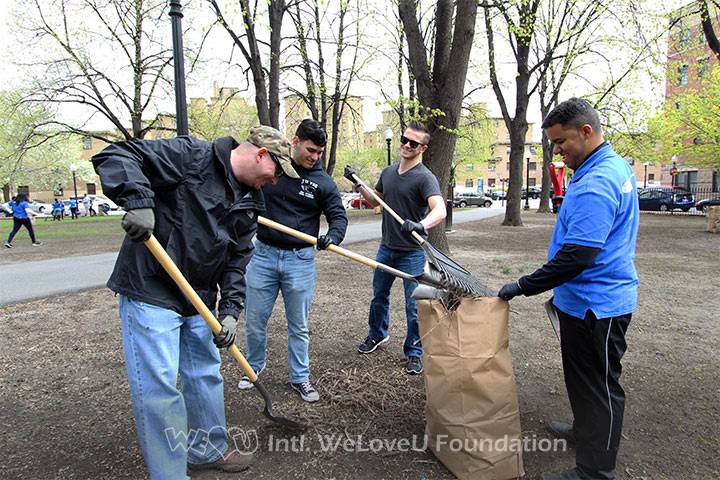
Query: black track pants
[[591, 352]]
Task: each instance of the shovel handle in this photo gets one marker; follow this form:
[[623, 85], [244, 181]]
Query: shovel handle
[[167, 263], [385, 206], [334, 248]]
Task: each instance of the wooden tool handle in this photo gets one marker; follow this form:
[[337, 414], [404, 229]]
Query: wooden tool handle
[[167, 263], [385, 206]]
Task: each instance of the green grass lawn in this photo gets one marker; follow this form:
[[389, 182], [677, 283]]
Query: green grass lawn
[[67, 229]]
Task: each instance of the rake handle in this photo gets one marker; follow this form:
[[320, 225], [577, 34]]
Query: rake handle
[[167, 263], [385, 206], [334, 248]]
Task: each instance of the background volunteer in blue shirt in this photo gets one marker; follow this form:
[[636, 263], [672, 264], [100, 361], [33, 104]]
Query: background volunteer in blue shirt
[[284, 263], [413, 192], [20, 210], [591, 269]]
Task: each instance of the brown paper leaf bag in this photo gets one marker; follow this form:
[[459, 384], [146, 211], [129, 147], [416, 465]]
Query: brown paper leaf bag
[[471, 413]]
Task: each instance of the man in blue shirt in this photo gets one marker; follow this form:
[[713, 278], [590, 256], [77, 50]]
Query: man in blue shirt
[[591, 269]]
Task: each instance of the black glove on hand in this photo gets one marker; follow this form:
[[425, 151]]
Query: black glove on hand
[[509, 291], [349, 172], [410, 226], [324, 241], [226, 337], [139, 223]]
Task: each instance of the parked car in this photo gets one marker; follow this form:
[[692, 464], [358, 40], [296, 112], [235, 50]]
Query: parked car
[[703, 205], [99, 203], [534, 193], [357, 201], [496, 194], [666, 199], [39, 207], [464, 199]]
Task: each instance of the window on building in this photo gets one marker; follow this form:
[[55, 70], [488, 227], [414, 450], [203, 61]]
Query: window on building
[[491, 182], [532, 166], [651, 178], [703, 66], [87, 143], [683, 71], [533, 151], [507, 136], [507, 150], [496, 123], [468, 167], [532, 182], [631, 160], [492, 166], [90, 188], [508, 166], [24, 189], [684, 40], [469, 183]]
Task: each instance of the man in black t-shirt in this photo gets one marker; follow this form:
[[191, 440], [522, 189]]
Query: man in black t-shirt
[[413, 192]]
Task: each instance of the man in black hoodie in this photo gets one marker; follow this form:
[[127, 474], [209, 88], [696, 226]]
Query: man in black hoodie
[[285, 263]]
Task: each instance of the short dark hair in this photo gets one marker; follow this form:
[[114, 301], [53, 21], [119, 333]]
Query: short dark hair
[[310, 129], [420, 127], [573, 113]]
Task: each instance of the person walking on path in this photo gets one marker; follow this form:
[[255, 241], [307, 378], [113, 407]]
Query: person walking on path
[[413, 192], [283, 263], [201, 201], [591, 269], [21, 218]]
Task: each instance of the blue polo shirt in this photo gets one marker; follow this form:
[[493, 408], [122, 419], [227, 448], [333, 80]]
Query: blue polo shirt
[[19, 209], [600, 210]]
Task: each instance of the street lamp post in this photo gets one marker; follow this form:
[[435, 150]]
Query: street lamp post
[[388, 139], [527, 184], [73, 169], [179, 67], [645, 177]]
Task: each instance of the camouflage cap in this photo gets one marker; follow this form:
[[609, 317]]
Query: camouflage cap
[[276, 143]]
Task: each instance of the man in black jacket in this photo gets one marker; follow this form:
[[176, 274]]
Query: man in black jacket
[[201, 200], [285, 263]]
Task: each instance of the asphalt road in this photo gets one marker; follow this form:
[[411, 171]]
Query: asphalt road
[[61, 276]]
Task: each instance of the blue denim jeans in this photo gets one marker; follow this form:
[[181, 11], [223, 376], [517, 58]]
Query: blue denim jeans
[[293, 273], [173, 427], [379, 317]]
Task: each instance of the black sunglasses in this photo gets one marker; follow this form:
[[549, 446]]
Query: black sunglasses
[[413, 143], [279, 172]]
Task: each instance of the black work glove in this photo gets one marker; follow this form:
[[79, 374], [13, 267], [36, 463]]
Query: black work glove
[[226, 337], [410, 226], [139, 223], [324, 241], [349, 172], [509, 291]]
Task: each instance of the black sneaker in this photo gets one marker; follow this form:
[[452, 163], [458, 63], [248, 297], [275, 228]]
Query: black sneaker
[[245, 382], [563, 430], [8, 245], [307, 391], [371, 344], [414, 366]]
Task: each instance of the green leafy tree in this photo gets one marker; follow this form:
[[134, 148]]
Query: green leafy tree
[[226, 114], [367, 162], [691, 126], [32, 151]]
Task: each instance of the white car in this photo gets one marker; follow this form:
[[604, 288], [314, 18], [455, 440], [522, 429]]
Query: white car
[[97, 202]]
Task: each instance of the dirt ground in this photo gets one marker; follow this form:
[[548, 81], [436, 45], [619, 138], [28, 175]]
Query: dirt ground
[[65, 407]]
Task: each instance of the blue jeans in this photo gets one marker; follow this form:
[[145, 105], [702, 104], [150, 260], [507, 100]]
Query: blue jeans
[[173, 427], [20, 222], [293, 273], [379, 317]]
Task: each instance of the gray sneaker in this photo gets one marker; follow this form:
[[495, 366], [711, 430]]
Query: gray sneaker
[[370, 344], [307, 391], [414, 366], [245, 383]]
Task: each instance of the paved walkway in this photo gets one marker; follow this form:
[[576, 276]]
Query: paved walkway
[[60, 276]]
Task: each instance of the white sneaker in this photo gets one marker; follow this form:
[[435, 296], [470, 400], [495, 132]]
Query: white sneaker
[[307, 391], [8, 245], [245, 383]]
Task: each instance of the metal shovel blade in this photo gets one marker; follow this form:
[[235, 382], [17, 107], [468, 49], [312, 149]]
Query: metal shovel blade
[[275, 417]]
